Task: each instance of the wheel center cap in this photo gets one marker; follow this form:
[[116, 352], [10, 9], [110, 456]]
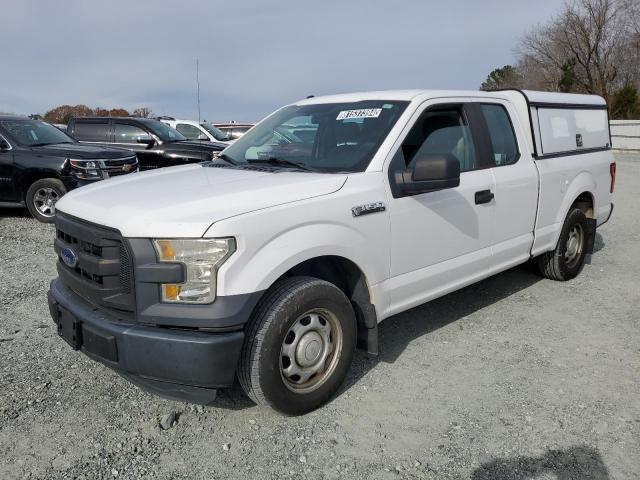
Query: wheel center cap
[[309, 349]]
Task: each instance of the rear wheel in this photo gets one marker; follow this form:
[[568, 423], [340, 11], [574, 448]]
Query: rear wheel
[[42, 197], [299, 345], [567, 260]]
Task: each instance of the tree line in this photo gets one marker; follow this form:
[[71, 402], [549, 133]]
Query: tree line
[[590, 46], [63, 113]]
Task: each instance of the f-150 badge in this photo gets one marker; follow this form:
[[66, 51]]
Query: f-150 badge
[[368, 208]]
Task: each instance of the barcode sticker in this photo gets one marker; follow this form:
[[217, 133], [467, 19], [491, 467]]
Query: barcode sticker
[[362, 113]]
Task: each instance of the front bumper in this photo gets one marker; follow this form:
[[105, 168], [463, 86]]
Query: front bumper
[[184, 364]]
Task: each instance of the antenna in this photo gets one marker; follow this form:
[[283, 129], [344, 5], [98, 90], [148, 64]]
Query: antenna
[[198, 83]]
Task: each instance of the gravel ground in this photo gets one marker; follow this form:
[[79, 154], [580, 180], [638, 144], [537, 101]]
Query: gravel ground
[[512, 378]]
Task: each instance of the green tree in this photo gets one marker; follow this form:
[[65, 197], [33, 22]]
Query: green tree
[[624, 104], [505, 77], [567, 82]]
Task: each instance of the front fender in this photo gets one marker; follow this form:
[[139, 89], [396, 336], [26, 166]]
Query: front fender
[[257, 266]]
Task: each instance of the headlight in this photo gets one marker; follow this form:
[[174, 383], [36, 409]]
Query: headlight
[[201, 258], [85, 168]]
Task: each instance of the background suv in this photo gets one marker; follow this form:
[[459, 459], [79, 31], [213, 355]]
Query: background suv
[[39, 164], [155, 143], [194, 130]]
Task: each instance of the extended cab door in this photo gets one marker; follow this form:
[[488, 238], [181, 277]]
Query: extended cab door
[[516, 179], [440, 240]]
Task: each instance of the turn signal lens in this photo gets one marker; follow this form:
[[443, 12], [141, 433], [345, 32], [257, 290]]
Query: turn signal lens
[[166, 250], [170, 292]]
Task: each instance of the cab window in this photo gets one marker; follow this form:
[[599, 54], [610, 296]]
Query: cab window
[[93, 131], [125, 133], [503, 139], [441, 131], [189, 131]]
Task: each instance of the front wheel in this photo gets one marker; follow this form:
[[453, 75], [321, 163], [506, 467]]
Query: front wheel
[[299, 345], [567, 260], [42, 196]]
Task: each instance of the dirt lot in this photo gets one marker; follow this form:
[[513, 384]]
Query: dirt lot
[[512, 378]]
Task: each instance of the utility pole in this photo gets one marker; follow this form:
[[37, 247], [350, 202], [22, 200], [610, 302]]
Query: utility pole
[[198, 84]]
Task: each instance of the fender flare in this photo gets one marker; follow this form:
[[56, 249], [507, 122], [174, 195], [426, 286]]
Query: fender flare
[[582, 183]]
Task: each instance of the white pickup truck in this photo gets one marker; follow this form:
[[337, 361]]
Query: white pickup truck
[[273, 262]]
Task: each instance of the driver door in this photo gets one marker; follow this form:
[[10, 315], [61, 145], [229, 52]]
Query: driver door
[[440, 240]]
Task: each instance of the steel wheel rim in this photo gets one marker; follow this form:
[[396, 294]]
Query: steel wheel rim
[[574, 246], [310, 350], [45, 201]]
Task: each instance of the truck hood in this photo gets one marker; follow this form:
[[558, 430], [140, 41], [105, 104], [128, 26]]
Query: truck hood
[[184, 201]]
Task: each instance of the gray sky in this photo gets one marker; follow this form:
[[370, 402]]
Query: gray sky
[[254, 55]]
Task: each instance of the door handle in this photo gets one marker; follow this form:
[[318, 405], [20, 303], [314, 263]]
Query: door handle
[[484, 196]]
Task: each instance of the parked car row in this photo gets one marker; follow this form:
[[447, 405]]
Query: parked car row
[[40, 162], [155, 143]]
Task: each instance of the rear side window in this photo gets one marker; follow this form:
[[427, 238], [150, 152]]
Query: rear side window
[[189, 131], [91, 131], [441, 132], [503, 139], [126, 133], [565, 130]]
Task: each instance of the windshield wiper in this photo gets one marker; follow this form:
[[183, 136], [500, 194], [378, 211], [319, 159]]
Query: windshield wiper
[[283, 163]]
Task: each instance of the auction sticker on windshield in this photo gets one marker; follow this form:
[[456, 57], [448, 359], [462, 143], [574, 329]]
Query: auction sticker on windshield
[[362, 113]]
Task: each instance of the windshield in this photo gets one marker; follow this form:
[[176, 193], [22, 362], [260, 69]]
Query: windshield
[[164, 132], [215, 132], [32, 133], [330, 137]]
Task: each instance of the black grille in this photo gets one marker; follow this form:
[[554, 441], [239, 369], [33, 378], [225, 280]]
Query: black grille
[[102, 270], [125, 275]]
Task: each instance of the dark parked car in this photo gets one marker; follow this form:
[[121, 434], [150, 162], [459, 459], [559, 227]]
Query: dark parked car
[[39, 164], [155, 143]]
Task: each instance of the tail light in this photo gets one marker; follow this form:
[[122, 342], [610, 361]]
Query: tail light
[[612, 172]]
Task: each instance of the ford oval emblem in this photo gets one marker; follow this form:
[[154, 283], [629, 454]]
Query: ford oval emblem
[[69, 257]]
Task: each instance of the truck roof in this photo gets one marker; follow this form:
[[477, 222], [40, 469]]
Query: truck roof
[[525, 102], [533, 97]]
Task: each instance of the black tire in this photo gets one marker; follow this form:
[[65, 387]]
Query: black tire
[[554, 264], [40, 193], [262, 368]]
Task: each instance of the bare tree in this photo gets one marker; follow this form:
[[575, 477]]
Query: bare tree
[[585, 48], [143, 112]]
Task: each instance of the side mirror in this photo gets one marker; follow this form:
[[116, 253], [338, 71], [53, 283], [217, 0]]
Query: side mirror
[[4, 145], [202, 136], [146, 139], [430, 173]]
